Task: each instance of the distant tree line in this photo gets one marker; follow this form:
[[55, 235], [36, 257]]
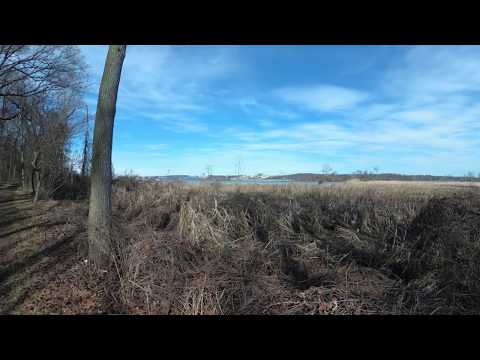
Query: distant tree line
[[365, 175]]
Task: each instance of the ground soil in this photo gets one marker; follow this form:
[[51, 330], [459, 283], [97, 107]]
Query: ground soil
[[41, 267]]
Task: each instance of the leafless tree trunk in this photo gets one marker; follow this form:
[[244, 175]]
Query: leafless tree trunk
[[38, 178], [85, 148], [100, 213], [35, 175], [71, 174], [13, 174], [22, 169], [11, 163]]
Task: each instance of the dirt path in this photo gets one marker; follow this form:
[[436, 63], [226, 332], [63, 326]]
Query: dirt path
[[40, 263], [16, 225]]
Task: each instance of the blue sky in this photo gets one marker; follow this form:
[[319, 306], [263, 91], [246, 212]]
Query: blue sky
[[290, 109]]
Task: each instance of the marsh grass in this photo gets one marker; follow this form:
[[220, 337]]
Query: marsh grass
[[293, 249]]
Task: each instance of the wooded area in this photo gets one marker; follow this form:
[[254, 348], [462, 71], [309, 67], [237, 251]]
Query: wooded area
[[42, 112]]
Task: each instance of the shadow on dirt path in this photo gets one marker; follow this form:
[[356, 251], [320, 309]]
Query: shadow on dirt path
[[36, 252], [15, 212]]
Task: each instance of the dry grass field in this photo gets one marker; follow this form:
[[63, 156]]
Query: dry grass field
[[378, 247], [354, 248]]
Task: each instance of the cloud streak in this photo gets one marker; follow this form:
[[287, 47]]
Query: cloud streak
[[324, 98]]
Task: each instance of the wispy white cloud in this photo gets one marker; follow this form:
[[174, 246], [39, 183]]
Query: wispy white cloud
[[176, 122], [428, 71], [325, 98], [166, 80], [253, 106]]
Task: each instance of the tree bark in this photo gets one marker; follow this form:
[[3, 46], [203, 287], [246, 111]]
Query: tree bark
[[13, 178], [100, 211], [13, 166], [35, 176], [85, 148], [22, 168], [8, 170]]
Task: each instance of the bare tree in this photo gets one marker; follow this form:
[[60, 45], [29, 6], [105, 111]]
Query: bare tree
[[35, 175], [28, 70], [238, 166], [40, 90], [208, 169], [85, 158], [470, 175], [327, 169], [100, 213]]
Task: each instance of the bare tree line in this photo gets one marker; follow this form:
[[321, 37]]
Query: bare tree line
[[41, 112]]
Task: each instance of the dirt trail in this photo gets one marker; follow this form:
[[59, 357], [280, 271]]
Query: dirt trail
[[39, 258], [16, 225]]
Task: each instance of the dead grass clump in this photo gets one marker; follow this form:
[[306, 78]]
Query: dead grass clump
[[443, 267], [168, 275], [154, 204], [214, 227], [129, 182]]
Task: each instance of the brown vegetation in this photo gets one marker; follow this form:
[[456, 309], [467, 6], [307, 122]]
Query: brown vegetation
[[296, 250], [356, 248]]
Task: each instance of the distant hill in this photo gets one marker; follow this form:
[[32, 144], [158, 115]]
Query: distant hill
[[368, 176], [171, 178]]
